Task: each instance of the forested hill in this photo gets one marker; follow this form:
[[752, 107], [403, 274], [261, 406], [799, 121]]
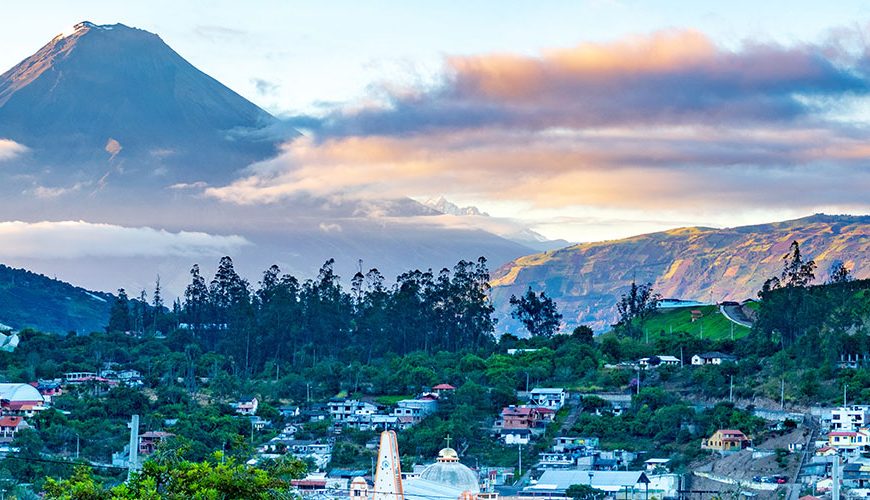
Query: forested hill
[[32, 300], [694, 263]]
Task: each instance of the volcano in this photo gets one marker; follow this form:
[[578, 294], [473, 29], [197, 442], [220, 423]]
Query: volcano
[[119, 96]]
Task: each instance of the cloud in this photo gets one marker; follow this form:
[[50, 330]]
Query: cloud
[[46, 192], [219, 33], [669, 77], [667, 122], [10, 149], [181, 186], [330, 227], [264, 87], [71, 239]]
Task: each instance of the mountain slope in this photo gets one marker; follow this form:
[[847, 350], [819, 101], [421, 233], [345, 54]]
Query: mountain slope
[[693, 263], [32, 300], [115, 92]]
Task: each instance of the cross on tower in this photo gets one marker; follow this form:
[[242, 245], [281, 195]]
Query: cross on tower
[[448, 440]]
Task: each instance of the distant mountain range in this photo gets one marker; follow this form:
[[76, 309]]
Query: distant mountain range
[[694, 263], [32, 300]]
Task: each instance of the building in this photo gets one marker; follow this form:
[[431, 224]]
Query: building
[[656, 361], [616, 484], [342, 409], [713, 358], [9, 427], [850, 418], [149, 441], [519, 417], [569, 443], [48, 388], [516, 436], [726, 440], [849, 440], [445, 479], [412, 411], [20, 400], [443, 390], [247, 405], [553, 398]]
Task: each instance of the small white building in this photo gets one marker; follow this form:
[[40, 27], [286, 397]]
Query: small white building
[[548, 397], [712, 358], [341, 410], [516, 436], [656, 361], [412, 411]]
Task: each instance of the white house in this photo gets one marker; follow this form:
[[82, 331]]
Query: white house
[[713, 358], [516, 436], [341, 410], [657, 361], [553, 398], [412, 411], [850, 418]]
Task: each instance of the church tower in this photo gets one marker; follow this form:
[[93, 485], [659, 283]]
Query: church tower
[[388, 475]]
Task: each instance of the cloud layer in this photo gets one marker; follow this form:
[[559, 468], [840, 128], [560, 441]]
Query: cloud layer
[[669, 121], [72, 239]]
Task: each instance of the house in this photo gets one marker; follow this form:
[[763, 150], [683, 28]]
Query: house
[[548, 397], [519, 417], [551, 460], [514, 352], [516, 436], [342, 409], [656, 361], [850, 418], [567, 443], [412, 411], [258, 424], [826, 451], [654, 464], [149, 441], [290, 411], [726, 440], [247, 406], [849, 440], [48, 388], [616, 484], [713, 358], [545, 416], [443, 390], [856, 475], [9, 426], [696, 314]]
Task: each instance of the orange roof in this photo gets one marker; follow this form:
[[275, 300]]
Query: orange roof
[[444, 387], [10, 421]]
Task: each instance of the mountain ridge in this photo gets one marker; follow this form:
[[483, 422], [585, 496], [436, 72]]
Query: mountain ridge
[[704, 264]]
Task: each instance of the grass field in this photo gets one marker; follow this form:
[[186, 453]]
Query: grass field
[[713, 324]]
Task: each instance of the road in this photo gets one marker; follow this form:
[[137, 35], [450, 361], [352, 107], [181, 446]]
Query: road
[[735, 315]]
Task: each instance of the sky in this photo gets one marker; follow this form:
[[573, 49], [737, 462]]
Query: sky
[[584, 120]]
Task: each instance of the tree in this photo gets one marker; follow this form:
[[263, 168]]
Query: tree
[[635, 306], [583, 492], [537, 313], [119, 317], [217, 478], [839, 273], [584, 334]]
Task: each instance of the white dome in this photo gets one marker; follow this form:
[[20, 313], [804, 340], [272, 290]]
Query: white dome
[[19, 392], [453, 474]]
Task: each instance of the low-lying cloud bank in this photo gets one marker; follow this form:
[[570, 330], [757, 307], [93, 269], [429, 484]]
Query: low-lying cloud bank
[[72, 239]]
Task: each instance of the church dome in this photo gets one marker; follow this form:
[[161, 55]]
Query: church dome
[[448, 471]]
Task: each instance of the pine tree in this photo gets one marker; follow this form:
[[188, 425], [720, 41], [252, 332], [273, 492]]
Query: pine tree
[[119, 316]]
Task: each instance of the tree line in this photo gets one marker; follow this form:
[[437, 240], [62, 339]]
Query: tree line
[[283, 319]]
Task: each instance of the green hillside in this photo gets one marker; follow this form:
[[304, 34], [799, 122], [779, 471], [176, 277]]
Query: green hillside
[[712, 325], [32, 300]]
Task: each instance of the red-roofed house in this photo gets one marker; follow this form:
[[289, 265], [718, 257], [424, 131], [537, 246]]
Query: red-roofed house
[[520, 417], [849, 439], [726, 440], [149, 441], [9, 426], [443, 389]]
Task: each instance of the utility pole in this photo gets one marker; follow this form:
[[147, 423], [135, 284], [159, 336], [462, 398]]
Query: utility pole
[[731, 390], [732, 330], [781, 393], [133, 458], [77, 446], [681, 356], [520, 461]]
